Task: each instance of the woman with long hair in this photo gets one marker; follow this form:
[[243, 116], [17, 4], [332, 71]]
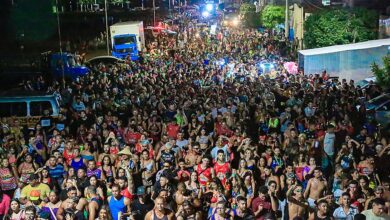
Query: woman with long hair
[[193, 185], [309, 169], [45, 178], [204, 140], [299, 166], [148, 169], [27, 168], [87, 154], [243, 168], [93, 181], [8, 181], [15, 212], [104, 213], [107, 167], [250, 161]]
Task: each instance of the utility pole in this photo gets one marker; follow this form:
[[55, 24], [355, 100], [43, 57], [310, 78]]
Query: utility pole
[[106, 18], [286, 26], [60, 43], [154, 13]]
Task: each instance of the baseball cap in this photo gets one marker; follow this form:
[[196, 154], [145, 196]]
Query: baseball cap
[[140, 191], [35, 195], [168, 145], [34, 177]]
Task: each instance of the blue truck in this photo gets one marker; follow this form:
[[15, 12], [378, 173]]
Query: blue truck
[[63, 65], [127, 39]]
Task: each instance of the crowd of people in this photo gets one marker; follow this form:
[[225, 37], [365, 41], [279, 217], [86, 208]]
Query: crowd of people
[[197, 133]]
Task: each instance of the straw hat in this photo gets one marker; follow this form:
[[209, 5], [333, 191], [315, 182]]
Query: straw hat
[[125, 151]]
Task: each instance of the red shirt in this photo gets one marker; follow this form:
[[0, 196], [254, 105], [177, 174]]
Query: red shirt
[[204, 175], [172, 130], [68, 156], [127, 194], [267, 207], [221, 171], [223, 130], [132, 137]]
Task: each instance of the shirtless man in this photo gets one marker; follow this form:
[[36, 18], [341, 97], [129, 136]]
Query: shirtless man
[[159, 211], [315, 187], [193, 156], [297, 205], [72, 192]]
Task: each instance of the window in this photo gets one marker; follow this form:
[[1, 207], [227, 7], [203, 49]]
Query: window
[[124, 40], [385, 107], [9, 109], [37, 108]]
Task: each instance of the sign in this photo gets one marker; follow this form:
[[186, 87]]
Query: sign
[[325, 2]]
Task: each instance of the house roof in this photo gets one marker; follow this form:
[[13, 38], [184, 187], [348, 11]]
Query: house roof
[[346, 47]]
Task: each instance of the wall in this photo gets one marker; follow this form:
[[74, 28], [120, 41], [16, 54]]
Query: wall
[[352, 64]]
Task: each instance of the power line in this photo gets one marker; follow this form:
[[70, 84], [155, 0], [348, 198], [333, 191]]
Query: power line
[[313, 5]]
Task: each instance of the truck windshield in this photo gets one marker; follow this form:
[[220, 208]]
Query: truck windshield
[[71, 61], [125, 40]]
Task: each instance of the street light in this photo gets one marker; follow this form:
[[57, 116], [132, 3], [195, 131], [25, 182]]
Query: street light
[[205, 14], [209, 7]]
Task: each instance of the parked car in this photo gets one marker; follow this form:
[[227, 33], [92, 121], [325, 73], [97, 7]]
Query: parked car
[[28, 107], [379, 108], [366, 82]]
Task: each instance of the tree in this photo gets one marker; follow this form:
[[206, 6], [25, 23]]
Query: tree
[[33, 20], [382, 74], [249, 16], [273, 15], [340, 26]]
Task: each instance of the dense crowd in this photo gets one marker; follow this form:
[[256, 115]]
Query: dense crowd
[[196, 133]]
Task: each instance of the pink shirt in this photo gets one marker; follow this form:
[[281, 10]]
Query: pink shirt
[[4, 205]]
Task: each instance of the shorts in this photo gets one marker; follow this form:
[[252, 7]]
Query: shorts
[[311, 202]]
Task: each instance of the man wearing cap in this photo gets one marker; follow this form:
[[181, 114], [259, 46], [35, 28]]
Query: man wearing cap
[[34, 185], [142, 205], [166, 154]]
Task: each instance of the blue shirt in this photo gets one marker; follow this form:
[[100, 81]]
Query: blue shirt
[[56, 172], [339, 213], [117, 206]]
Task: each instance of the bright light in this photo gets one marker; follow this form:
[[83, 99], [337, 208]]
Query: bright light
[[209, 7], [271, 66], [197, 35], [225, 22], [221, 62], [262, 66], [235, 21], [205, 14]]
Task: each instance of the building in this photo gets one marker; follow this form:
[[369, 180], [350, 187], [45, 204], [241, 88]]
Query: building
[[349, 61]]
